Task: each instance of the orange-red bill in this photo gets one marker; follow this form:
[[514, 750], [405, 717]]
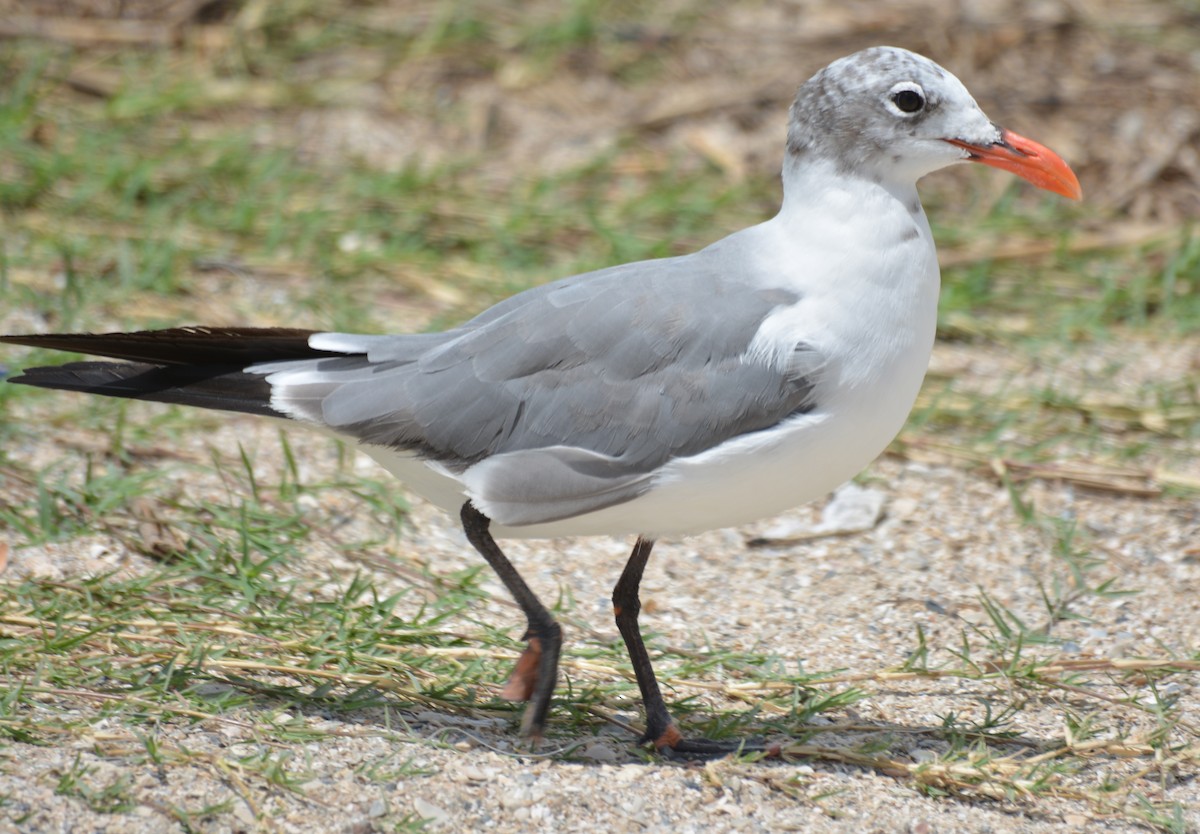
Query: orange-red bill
[[1028, 160]]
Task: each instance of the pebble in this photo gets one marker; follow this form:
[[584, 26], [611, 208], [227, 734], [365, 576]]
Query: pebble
[[428, 811], [599, 751], [515, 798], [474, 774], [627, 773]]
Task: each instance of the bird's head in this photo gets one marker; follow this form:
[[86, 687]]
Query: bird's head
[[892, 115]]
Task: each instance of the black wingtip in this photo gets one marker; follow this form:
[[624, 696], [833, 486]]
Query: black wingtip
[[198, 366], [218, 387], [183, 345]]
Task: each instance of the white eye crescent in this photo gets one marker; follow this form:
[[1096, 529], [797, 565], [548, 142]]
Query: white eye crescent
[[906, 98]]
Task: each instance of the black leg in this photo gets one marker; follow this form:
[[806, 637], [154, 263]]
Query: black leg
[[660, 727], [537, 670]]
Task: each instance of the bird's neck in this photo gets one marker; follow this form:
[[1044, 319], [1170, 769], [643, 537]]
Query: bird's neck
[[808, 183]]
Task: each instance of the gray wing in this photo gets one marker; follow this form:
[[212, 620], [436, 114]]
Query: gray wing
[[575, 393]]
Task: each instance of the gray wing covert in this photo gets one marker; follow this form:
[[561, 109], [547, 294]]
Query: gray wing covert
[[577, 391]]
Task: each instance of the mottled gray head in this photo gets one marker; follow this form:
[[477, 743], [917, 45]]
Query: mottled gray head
[[885, 113]]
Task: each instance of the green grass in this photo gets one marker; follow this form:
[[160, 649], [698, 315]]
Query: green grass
[[161, 203]]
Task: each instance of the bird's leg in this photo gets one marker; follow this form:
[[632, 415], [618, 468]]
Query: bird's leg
[[536, 671], [660, 727]]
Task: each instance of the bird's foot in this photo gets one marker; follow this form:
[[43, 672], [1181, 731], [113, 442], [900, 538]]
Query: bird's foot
[[524, 674], [672, 745], [532, 681]]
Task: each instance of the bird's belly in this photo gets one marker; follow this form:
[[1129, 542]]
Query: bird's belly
[[747, 478]]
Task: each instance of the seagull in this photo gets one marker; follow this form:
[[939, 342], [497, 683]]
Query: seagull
[[658, 398]]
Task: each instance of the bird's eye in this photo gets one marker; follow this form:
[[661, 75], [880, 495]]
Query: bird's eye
[[908, 101]]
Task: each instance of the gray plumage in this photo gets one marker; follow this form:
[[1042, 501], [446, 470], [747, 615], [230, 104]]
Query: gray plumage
[[594, 382]]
